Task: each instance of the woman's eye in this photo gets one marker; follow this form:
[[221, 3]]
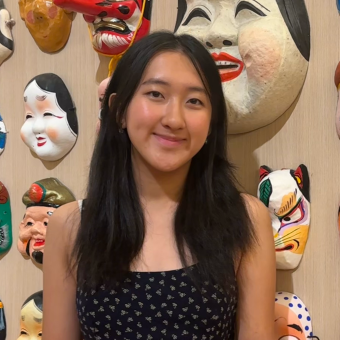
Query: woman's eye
[[155, 94], [29, 116], [29, 224], [48, 114], [245, 5], [196, 13], [195, 101]]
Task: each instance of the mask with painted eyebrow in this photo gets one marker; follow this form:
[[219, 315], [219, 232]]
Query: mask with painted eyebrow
[[286, 194], [261, 49], [292, 318], [113, 25]]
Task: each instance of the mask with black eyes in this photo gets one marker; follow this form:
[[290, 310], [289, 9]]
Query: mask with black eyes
[[261, 48], [113, 24]]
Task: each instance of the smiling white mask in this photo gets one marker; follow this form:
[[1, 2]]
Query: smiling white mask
[[51, 126], [261, 48]]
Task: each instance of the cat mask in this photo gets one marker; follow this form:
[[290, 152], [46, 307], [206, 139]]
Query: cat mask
[[286, 194]]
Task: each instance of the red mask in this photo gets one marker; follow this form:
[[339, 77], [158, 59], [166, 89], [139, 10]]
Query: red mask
[[112, 23]]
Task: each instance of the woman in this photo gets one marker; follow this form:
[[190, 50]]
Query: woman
[[167, 247]]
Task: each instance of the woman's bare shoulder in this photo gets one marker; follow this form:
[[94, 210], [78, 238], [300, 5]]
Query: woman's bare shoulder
[[64, 224]]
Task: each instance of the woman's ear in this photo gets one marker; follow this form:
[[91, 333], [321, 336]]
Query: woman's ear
[[111, 99]]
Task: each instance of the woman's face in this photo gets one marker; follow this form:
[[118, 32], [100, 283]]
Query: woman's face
[[46, 130], [169, 116], [31, 322], [261, 69]]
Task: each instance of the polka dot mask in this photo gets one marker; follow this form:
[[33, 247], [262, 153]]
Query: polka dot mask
[[292, 319]]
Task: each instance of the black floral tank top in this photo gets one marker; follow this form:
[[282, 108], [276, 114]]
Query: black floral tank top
[[158, 305]]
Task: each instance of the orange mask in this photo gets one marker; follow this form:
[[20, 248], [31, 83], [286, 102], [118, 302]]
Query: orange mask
[[49, 25]]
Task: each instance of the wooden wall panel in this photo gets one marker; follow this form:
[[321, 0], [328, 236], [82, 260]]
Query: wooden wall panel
[[306, 135]]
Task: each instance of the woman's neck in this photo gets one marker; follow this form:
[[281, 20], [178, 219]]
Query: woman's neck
[[158, 186]]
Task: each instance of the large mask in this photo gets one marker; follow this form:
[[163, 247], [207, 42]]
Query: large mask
[[6, 238], [113, 24], [41, 200], [286, 194], [6, 39], [261, 49], [292, 319], [49, 25], [2, 322], [51, 126], [31, 318]]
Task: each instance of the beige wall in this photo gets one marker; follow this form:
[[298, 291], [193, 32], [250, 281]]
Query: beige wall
[[307, 135]]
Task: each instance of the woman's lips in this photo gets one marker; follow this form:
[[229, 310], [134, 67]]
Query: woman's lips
[[169, 140], [41, 141], [228, 66]]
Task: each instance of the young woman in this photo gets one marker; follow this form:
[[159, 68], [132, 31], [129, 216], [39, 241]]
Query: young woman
[[165, 246]]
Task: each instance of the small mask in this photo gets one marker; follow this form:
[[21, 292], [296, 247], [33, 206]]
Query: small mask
[[261, 49], [49, 25], [337, 84], [292, 319], [6, 238], [286, 194], [31, 318], [6, 38], [51, 126], [41, 200], [113, 25], [2, 322], [3, 135]]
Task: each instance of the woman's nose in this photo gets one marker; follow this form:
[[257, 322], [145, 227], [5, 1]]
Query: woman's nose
[[173, 117], [223, 32]]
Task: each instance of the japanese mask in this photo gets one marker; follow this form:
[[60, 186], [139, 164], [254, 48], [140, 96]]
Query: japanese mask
[[31, 318], [49, 25], [286, 194], [2, 322], [6, 38], [6, 238], [337, 84], [51, 126], [292, 319], [101, 93], [41, 200], [3, 135], [261, 48], [113, 24]]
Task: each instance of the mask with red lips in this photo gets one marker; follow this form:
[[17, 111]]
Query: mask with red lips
[[261, 48], [112, 23], [41, 200]]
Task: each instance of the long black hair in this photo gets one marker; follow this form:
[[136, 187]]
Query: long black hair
[[211, 218], [294, 13], [50, 82]]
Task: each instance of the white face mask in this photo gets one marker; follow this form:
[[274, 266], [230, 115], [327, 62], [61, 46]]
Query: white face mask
[[261, 68], [46, 130], [6, 38]]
